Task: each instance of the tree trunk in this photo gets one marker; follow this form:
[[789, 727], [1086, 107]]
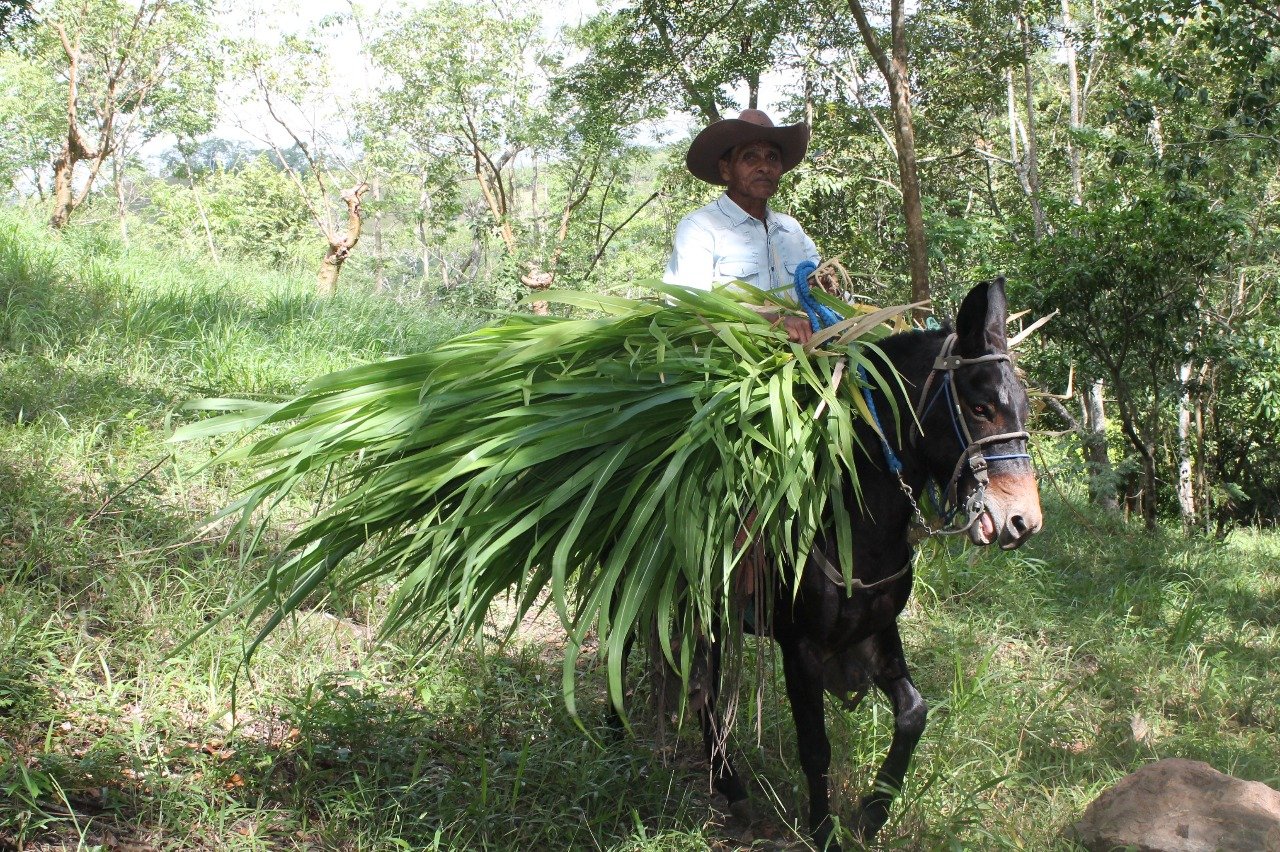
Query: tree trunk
[[64, 166], [538, 278], [1102, 489], [495, 196], [204, 217], [534, 214], [341, 245], [424, 214], [1073, 83], [63, 199], [1204, 499], [808, 92], [75, 149], [379, 264], [894, 68], [1033, 165], [1020, 162], [1186, 483], [1146, 497], [122, 209]]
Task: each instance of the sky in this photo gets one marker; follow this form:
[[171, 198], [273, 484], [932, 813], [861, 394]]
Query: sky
[[268, 22], [298, 16]]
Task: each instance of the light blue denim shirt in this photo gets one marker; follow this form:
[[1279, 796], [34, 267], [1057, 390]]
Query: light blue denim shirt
[[722, 242]]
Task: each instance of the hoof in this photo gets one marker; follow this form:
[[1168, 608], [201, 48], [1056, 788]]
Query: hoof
[[731, 788], [825, 841], [870, 818], [741, 811]]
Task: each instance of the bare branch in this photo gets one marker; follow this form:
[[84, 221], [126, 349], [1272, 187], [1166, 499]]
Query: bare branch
[[869, 37], [855, 86], [614, 231], [321, 216]]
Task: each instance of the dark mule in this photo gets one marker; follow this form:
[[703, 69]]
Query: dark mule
[[971, 443]]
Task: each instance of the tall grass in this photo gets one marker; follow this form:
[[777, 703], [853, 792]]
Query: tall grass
[[1051, 672]]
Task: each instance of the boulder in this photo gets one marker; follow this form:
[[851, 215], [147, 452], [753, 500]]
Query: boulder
[[1178, 805]]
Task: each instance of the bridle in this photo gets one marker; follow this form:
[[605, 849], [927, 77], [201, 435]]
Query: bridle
[[971, 453], [971, 448]]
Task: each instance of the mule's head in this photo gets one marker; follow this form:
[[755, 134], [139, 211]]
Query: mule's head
[[972, 417]]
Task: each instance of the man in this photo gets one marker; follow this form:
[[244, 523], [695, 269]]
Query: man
[[737, 237]]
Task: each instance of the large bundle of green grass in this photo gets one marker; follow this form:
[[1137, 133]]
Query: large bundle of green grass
[[611, 459]]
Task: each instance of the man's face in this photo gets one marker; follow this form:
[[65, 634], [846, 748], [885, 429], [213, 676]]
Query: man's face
[[752, 170]]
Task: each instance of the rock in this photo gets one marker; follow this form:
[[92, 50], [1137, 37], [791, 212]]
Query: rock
[[1178, 805]]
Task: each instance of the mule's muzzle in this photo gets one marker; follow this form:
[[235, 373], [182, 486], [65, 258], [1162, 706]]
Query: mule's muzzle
[[1012, 513]]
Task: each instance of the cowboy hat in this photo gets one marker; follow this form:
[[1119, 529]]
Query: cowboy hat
[[751, 125]]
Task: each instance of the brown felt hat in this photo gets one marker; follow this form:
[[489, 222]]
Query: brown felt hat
[[751, 125]]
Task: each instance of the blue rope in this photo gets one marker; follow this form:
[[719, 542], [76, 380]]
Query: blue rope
[[895, 466], [820, 316]]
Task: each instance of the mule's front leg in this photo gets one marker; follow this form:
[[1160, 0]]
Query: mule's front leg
[[802, 665], [909, 714]]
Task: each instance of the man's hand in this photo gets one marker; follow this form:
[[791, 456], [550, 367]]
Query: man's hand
[[798, 329]]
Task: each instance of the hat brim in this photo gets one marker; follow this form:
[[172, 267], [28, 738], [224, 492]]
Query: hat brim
[[703, 159]]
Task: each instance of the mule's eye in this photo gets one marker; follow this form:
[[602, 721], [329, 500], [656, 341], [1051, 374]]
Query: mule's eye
[[983, 411]]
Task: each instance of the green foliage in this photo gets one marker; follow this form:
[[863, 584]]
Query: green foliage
[[1207, 49], [503, 154], [657, 54], [32, 117], [610, 461], [15, 15], [1128, 275], [479, 75], [153, 64], [254, 212], [1035, 663], [1242, 427], [1125, 275]]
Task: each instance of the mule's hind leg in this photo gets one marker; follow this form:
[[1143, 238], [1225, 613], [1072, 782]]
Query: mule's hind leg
[[802, 666], [889, 668]]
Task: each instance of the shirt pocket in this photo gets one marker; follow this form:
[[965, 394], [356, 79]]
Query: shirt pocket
[[738, 269], [792, 252]]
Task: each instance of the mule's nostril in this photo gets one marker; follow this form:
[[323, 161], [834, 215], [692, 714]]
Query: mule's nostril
[[1019, 523]]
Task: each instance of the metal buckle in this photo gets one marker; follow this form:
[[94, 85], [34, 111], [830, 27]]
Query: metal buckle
[[947, 362]]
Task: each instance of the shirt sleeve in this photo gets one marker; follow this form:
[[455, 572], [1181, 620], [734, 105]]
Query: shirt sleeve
[[692, 263]]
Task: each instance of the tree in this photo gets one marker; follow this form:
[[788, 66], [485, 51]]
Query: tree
[[893, 66], [290, 81], [491, 103], [14, 15], [115, 61], [473, 106], [31, 119], [689, 56], [1128, 273]]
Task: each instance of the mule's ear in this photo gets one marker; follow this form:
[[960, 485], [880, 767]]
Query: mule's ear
[[980, 325]]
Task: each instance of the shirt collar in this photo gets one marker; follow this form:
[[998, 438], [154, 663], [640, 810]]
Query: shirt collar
[[737, 216]]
